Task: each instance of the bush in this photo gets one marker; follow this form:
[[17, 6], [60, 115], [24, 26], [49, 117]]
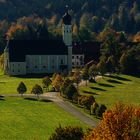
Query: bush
[[67, 133]]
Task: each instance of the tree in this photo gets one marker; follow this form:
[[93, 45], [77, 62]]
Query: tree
[[122, 122], [46, 82], [64, 85], [85, 74], [37, 90], [93, 71], [57, 82], [130, 61], [101, 66], [71, 91], [18, 32], [2, 61], [21, 89], [67, 133], [76, 77]]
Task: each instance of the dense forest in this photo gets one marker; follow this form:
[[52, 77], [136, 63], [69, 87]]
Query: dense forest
[[121, 15], [92, 20]]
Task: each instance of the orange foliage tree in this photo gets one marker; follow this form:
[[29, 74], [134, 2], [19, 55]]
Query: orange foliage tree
[[120, 123], [17, 31], [57, 82]]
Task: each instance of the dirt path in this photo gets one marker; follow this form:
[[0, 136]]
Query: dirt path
[[72, 110]]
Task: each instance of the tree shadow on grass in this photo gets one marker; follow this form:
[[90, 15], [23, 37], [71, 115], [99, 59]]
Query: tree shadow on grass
[[105, 85], [118, 77], [45, 100], [31, 99], [114, 81], [90, 92], [1, 96], [2, 82], [2, 99], [96, 88]]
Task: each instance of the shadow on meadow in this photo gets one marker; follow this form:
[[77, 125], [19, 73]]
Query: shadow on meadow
[[99, 89], [105, 85], [45, 100], [2, 98], [114, 81], [118, 78], [31, 99], [90, 92]]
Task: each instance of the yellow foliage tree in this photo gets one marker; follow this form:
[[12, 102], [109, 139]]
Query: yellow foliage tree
[[120, 123]]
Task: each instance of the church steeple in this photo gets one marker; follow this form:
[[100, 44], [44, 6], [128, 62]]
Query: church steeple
[[67, 35]]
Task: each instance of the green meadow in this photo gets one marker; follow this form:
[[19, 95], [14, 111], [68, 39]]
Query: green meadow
[[22, 119], [116, 88], [8, 85]]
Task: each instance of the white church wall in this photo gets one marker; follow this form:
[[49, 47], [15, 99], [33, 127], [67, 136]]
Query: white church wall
[[45, 63], [17, 68]]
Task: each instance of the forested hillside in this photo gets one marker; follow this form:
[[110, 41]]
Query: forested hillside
[[122, 15]]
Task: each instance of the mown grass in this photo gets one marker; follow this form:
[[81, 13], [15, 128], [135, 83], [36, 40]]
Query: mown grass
[[32, 120], [116, 88]]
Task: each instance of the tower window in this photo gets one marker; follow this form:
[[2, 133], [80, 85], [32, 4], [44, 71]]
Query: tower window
[[72, 57]]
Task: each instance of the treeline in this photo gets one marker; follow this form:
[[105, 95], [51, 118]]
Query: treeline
[[121, 15]]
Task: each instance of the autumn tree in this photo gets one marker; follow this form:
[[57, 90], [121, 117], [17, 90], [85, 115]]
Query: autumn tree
[[18, 32], [21, 89], [57, 82], [119, 123]]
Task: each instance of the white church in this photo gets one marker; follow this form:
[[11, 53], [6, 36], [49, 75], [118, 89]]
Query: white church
[[22, 57]]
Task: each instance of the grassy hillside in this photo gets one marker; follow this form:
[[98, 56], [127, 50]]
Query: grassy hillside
[[28, 120], [112, 89]]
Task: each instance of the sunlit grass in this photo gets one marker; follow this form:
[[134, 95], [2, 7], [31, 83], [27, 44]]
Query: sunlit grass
[[110, 90], [29, 120]]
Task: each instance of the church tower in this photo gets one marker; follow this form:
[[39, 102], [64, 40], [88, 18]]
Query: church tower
[[67, 35]]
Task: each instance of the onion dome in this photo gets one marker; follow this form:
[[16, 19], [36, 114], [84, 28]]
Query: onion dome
[[66, 18]]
